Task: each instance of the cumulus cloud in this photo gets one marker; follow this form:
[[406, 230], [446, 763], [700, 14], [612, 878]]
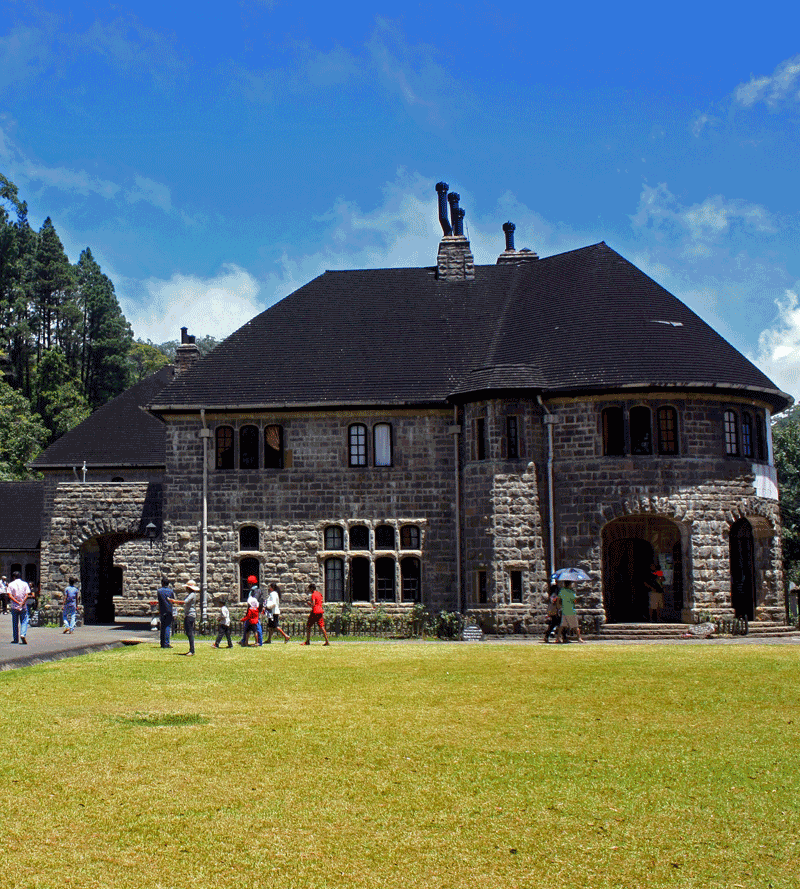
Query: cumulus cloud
[[778, 353], [207, 306], [154, 193], [773, 89]]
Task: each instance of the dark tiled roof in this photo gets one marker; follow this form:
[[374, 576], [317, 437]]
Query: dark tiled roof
[[586, 320], [20, 515], [119, 433]]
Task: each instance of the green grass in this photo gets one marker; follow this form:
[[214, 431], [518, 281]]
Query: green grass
[[403, 765]]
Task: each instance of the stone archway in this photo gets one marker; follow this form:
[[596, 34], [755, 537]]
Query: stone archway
[[742, 561], [631, 544], [100, 579]]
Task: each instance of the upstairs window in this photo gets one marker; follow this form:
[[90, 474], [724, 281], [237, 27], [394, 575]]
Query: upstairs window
[[357, 441], [273, 447], [667, 431], [359, 537], [334, 537], [512, 438], [409, 537], [515, 584], [410, 579], [384, 537], [224, 447], [334, 580], [480, 439], [384, 579], [761, 439], [748, 434], [248, 447], [731, 434], [248, 538], [481, 593], [641, 431], [613, 432], [382, 444]]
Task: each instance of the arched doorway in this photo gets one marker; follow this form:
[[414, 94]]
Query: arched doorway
[[743, 577], [631, 546], [101, 580]]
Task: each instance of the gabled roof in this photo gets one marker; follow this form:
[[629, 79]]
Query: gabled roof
[[21, 516], [583, 321], [120, 433]]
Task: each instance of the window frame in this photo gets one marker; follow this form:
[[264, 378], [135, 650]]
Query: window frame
[[335, 579], [273, 459], [730, 428], [357, 445], [641, 432], [667, 431], [513, 451], [224, 452], [328, 538], [249, 451], [480, 438], [612, 423], [377, 450]]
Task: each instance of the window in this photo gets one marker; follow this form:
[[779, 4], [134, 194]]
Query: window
[[480, 439], [273, 447], [118, 478], [334, 580], [761, 439], [613, 432], [384, 537], [359, 537], [382, 444], [248, 538], [747, 435], [641, 434], [247, 567], [359, 579], [248, 447], [512, 438], [409, 537], [334, 537], [410, 579], [667, 431], [384, 579], [731, 434], [515, 581], [224, 458], [357, 435], [480, 587]]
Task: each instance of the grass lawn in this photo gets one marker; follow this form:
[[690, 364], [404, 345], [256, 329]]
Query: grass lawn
[[403, 765]]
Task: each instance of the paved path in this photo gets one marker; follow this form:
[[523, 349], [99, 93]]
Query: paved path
[[52, 644]]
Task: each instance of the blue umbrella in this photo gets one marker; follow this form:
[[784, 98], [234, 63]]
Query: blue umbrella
[[576, 575]]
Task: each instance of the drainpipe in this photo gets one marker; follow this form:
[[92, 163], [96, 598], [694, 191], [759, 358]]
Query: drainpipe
[[549, 421], [205, 434], [455, 431]]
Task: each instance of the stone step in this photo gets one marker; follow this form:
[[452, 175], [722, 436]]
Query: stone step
[[677, 631]]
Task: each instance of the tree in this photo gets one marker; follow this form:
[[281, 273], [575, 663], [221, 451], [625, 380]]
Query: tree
[[786, 448], [58, 314], [107, 336], [145, 358], [22, 434], [205, 344], [60, 401]]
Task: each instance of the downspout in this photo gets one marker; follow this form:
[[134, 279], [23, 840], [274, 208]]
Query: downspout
[[455, 431], [549, 421], [205, 434]]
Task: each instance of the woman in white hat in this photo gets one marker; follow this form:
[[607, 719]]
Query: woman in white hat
[[189, 612]]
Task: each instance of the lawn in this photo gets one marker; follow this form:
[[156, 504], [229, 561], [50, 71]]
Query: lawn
[[403, 765]]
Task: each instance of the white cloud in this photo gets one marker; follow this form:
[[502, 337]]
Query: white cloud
[[778, 352], [207, 306], [154, 193], [73, 181], [774, 89]]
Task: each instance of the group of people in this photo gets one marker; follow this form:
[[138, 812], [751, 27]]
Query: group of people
[[561, 614], [22, 599], [257, 606]]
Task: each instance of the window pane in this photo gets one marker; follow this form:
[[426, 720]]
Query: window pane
[[667, 430], [761, 439], [273, 447], [334, 537], [516, 586], [480, 439], [246, 568], [359, 580], [358, 445], [384, 579], [512, 437], [384, 537], [334, 580], [224, 447], [613, 432], [248, 447], [747, 435], [410, 574], [409, 537], [641, 435], [383, 444], [731, 434], [480, 583], [248, 537], [359, 537]]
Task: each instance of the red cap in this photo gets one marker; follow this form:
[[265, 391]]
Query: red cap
[[252, 580]]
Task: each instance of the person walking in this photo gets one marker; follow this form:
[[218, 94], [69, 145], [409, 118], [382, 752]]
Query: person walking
[[224, 625], [70, 613], [4, 594], [189, 612], [553, 612], [273, 609], [316, 616], [252, 620], [165, 595], [19, 592], [569, 617]]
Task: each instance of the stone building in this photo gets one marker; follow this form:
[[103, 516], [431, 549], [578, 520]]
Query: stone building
[[449, 435]]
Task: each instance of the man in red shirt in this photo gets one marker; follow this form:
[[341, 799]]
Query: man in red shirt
[[316, 616]]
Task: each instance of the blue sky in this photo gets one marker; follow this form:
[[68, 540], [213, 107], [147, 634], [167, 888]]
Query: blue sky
[[217, 156]]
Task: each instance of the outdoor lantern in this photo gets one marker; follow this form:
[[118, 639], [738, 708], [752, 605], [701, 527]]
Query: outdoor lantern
[[151, 532]]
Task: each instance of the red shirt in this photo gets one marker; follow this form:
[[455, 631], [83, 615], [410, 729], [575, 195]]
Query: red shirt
[[316, 603]]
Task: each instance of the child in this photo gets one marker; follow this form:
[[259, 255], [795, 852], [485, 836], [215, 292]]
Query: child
[[224, 624]]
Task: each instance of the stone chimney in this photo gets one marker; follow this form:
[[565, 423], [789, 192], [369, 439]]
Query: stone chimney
[[510, 254], [455, 261], [186, 354]]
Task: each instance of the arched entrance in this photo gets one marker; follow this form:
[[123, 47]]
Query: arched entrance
[[631, 546], [743, 577], [100, 579]]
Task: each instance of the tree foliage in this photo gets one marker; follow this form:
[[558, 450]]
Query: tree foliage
[[786, 448]]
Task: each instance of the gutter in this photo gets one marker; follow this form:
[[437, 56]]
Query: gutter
[[549, 421], [205, 434]]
